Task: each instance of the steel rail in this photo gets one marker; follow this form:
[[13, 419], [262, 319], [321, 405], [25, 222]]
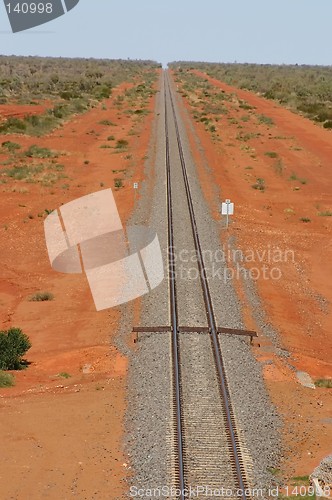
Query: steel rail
[[210, 312], [174, 314]]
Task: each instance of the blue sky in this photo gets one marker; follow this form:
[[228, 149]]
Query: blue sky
[[261, 31]]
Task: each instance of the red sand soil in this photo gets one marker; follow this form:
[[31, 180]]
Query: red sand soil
[[19, 111], [299, 304], [63, 436]]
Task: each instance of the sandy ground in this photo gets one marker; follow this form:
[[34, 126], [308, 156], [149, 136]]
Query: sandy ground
[[297, 303], [62, 423]]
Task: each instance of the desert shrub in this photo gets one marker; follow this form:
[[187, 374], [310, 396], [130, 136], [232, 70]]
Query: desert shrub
[[271, 154], [13, 126], [323, 382], [13, 345], [328, 124], [10, 146], [106, 122], [118, 183], [102, 92], [266, 120], [259, 185], [35, 151], [122, 144], [41, 297]]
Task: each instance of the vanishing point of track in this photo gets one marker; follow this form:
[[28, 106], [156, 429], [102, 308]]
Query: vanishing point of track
[[224, 446]]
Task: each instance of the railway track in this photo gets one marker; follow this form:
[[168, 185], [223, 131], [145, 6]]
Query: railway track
[[207, 447]]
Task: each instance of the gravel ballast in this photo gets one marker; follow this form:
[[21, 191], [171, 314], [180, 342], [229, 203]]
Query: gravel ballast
[[149, 413]]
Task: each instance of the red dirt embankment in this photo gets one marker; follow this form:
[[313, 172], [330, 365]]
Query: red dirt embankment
[[292, 158], [62, 423]]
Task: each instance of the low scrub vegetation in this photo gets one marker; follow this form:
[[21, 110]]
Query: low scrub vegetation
[[305, 89], [43, 173], [72, 85]]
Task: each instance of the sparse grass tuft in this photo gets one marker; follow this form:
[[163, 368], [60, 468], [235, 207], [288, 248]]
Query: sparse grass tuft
[[279, 167], [294, 177], [326, 213], [6, 380], [266, 120], [324, 382], [64, 375]]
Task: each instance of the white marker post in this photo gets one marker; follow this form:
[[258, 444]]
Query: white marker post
[[227, 208], [135, 189]]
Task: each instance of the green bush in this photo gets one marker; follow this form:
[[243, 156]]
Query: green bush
[[13, 345]]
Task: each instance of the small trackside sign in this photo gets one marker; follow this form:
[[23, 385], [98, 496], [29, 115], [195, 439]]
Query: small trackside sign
[[227, 208]]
